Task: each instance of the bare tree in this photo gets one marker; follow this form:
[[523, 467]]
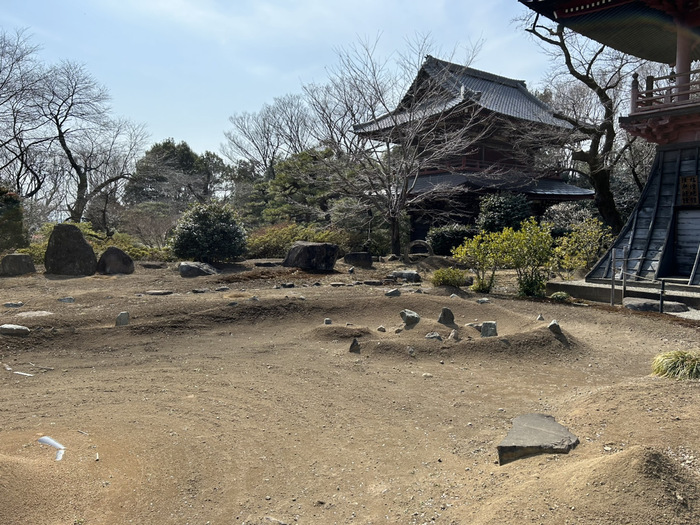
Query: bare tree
[[277, 131], [98, 150], [383, 140], [589, 84]]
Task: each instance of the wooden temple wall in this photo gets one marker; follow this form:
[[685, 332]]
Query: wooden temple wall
[[662, 236]]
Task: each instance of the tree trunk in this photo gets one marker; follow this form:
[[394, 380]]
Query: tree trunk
[[81, 200], [395, 228], [605, 201]]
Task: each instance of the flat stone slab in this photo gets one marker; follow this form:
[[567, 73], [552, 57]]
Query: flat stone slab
[[158, 292], [36, 313], [14, 329], [534, 434], [651, 305]]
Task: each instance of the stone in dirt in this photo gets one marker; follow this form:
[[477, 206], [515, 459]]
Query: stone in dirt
[[68, 253], [409, 317], [433, 335], [446, 317], [534, 434], [66, 300], [355, 346], [454, 335], [14, 330], [115, 261], [16, 304], [16, 264], [158, 292], [395, 292], [554, 327], [489, 329], [195, 269], [122, 319], [651, 305], [316, 256], [360, 259], [410, 276]]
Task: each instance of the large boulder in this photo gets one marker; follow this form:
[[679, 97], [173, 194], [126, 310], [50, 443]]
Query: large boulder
[[114, 260], [195, 269], [318, 256], [16, 264], [68, 253]]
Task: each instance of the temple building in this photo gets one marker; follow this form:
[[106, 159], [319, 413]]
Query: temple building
[[506, 112], [661, 240]]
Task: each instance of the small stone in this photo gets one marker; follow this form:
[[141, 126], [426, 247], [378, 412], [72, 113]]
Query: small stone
[[302, 298], [418, 290], [276, 287], [483, 300], [222, 289], [381, 328], [232, 303], [355, 346], [540, 317], [66, 300], [254, 298], [411, 351], [327, 320], [395, 292], [427, 375], [158, 292], [446, 317], [200, 290], [454, 296], [409, 317], [123, 319], [454, 335], [337, 284], [433, 335], [287, 285], [17, 304], [351, 269], [14, 330], [373, 282], [554, 327], [489, 329]]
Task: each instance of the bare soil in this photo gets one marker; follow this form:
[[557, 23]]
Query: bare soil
[[202, 411]]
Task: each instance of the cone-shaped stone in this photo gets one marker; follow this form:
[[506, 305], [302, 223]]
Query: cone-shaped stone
[[355, 346], [446, 316], [123, 319]]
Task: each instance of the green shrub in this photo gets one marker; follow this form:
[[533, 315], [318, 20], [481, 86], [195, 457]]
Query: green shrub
[[444, 238], [502, 210], [560, 297], [209, 233], [529, 251], [483, 255], [582, 247], [275, 241], [679, 364], [449, 277]]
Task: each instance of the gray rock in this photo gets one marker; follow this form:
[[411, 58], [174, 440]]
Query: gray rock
[[483, 300], [316, 256], [16, 304], [337, 284], [158, 292], [433, 335], [14, 330], [200, 290], [446, 317], [454, 335], [359, 259], [68, 253], [489, 329], [287, 285], [540, 317], [651, 305], [16, 264], [355, 347], [535, 434], [35, 313], [327, 320], [122, 319], [266, 264], [409, 317], [394, 292], [373, 282], [410, 276], [351, 269], [222, 289], [411, 351], [381, 328], [66, 300], [554, 327], [195, 269], [115, 261]]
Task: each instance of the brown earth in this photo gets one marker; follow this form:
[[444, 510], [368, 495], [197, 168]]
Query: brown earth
[[204, 412]]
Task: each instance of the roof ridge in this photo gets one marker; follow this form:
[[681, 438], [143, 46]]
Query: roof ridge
[[477, 72]]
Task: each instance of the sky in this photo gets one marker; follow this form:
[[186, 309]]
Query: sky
[[183, 67]]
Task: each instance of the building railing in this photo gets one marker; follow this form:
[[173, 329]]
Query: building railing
[[661, 93]]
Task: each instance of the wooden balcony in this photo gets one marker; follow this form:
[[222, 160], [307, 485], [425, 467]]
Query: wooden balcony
[[666, 110]]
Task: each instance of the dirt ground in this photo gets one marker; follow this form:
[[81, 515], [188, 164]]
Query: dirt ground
[[242, 406]]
